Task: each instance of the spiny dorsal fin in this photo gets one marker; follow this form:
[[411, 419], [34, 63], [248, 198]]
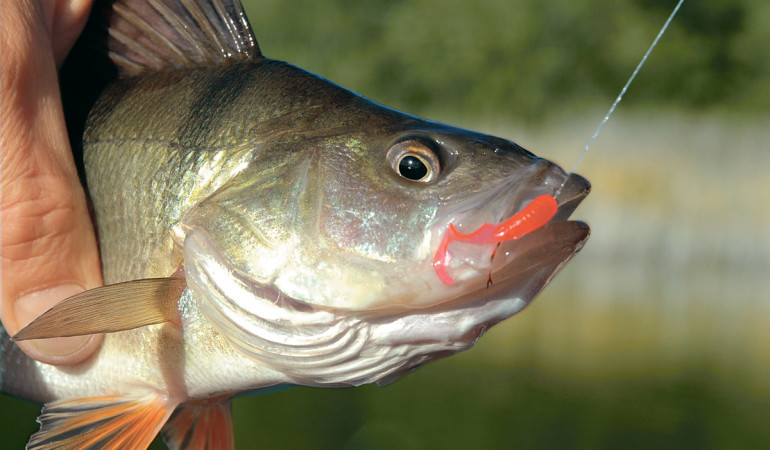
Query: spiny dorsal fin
[[155, 35], [106, 309]]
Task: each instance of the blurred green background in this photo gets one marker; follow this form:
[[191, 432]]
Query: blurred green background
[[656, 335]]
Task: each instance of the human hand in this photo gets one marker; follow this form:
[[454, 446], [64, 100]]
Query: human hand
[[48, 245]]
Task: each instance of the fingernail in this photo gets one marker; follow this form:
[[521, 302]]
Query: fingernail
[[30, 306]]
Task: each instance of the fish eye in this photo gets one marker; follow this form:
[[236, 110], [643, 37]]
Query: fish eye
[[415, 160]]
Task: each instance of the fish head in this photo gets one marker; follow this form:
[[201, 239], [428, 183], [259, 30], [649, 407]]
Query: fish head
[[353, 221], [335, 231]]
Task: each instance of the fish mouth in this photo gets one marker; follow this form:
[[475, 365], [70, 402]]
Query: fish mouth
[[518, 268], [551, 245]]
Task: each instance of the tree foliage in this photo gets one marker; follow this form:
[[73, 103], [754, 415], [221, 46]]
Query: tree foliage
[[528, 58]]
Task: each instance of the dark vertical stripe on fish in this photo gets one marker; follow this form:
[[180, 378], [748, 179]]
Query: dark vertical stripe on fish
[[213, 106]]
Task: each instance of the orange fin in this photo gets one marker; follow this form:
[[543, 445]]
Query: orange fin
[[106, 309], [110, 422], [200, 425]]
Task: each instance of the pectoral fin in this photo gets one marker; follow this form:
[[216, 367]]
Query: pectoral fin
[[201, 425], [106, 309], [110, 422]]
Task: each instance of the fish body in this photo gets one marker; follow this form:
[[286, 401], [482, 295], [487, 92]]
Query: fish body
[[292, 226]]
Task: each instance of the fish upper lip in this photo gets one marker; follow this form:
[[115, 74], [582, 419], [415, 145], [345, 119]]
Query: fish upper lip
[[573, 190]]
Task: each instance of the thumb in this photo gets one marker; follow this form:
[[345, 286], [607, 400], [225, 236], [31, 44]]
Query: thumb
[[48, 246]]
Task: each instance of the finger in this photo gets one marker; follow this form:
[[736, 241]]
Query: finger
[[48, 245], [65, 20]]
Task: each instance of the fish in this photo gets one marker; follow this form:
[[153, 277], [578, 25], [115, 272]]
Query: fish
[[260, 226]]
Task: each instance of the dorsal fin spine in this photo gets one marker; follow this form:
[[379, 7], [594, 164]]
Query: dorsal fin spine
[[230, 25], [139, 23], [136, 46], [178, 25], [200, 18], [156, 35]]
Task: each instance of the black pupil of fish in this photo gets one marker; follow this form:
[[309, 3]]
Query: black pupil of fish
[[412, 167]]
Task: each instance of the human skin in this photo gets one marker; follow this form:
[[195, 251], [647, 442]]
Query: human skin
[[48, 246]]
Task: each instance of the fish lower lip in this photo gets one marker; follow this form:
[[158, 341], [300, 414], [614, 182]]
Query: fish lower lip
[[525, 266]]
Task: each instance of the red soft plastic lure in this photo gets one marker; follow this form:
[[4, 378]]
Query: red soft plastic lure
[[533, 216]]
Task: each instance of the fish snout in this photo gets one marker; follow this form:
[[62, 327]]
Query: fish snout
[[574, 189]]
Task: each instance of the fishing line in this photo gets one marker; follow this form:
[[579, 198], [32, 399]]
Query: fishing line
[[534, 209], [623, 91]]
